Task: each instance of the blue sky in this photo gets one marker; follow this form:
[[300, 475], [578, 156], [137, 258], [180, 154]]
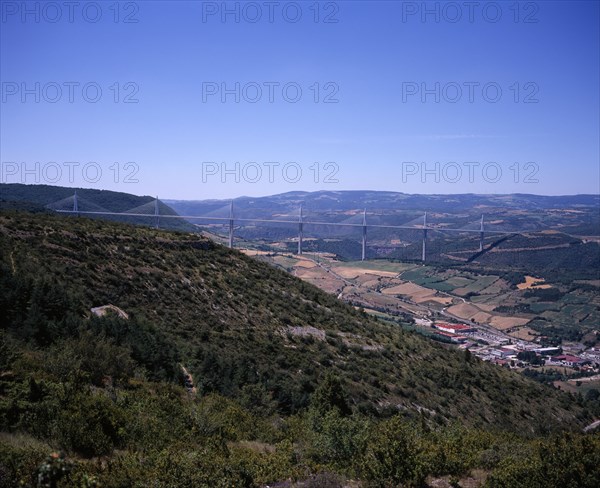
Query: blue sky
[[539, 134]]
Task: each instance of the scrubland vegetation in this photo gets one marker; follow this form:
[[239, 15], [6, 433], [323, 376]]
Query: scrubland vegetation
[[293, 385]]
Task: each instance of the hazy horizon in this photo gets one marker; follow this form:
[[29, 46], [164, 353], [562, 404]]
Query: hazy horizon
[[168, 198]]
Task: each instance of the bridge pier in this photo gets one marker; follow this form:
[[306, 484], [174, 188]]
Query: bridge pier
[[230, 242], [300, 232], [424, 251], [156, 213], [481, 235], [364, 236]]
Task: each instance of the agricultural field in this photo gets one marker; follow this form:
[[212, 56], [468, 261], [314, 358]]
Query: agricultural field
[[580, 385], [524, 309]]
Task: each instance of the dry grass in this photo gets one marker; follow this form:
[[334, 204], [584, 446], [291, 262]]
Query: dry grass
[[254, 252], [437, 299], [351, 273], [464, 310], [503, 323], [410, 289], [533, 283], [319, 277], [481, 317], [475, 479], [259, 447], [305, 263], [524, 333]]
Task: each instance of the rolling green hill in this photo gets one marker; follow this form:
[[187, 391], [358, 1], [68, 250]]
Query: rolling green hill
[[235, 321], [263, 348]]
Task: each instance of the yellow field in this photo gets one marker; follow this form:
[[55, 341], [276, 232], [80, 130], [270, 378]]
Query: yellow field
[[408, 289], [305, 263], [319, 277], [524, 333], [503, 323], [352, 273], [487, 307], [481, 317], [359, 281], [464, 310], [253, 252], [532, 282], [441, 300]]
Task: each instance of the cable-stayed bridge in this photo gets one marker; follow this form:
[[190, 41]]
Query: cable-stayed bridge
[[75, 205]]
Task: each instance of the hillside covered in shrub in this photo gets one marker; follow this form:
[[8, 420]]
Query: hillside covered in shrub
[[288, 382]]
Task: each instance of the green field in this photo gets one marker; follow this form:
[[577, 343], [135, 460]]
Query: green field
[[544, 307]]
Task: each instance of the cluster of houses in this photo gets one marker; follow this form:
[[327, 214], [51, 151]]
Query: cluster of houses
[[454, 332], [549, 356], [566, 360], [504, 353]]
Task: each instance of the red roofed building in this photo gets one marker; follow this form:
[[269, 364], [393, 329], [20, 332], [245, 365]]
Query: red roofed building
[[453, 337], [566, 360], [454, 328]]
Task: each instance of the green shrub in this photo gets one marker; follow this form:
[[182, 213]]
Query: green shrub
[[395, 455]]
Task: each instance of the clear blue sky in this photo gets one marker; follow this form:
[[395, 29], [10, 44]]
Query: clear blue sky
[[368, 61]]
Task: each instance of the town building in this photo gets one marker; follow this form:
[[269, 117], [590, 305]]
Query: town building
[[566, 360], [547, 351], [458, 339], [454, 328]]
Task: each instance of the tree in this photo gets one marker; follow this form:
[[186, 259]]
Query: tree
[[395, 455], [330, 395], [592, 395]]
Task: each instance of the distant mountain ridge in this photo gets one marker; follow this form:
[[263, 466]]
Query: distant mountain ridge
[[50, 197], [378, 201], [572, 214]]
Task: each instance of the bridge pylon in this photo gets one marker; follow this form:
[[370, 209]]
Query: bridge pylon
[[156, 213], [300, 231], [424, 251], [481, 235], [230, 242]]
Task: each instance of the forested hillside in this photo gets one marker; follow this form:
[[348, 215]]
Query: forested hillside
[[37, 197], [291, 383]]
